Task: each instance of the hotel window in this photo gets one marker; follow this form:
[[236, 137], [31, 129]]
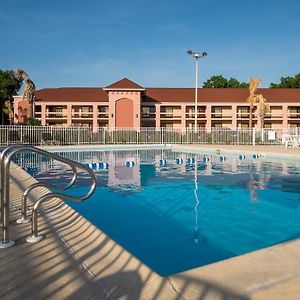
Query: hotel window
[[85, 111], [169, 125], [294, 112], [218, 112], [268, 125], [244, 125], [169, 112], [218, 125], [103, 112], [38, 111], [146, 112], [76, 111], [244, 112], [56, 111]]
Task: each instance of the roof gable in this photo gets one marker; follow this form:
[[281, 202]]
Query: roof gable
[[124, 84]]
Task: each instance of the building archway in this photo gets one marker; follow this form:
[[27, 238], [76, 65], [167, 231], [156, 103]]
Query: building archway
[[124, 113]]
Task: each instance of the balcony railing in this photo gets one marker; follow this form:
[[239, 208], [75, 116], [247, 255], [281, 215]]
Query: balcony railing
[[273, 116], [294, 115], [191, 115], [169, 116], [82, 115], [221, 116], [150, 115], [103, 115], [56, 115], [243, 115]]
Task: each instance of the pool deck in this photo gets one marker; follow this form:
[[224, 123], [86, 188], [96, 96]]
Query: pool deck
[[76, 260]]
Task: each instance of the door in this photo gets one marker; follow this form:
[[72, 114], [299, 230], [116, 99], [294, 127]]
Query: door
[[124, 113]]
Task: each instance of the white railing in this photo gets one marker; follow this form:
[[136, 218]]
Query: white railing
[[52, 135]]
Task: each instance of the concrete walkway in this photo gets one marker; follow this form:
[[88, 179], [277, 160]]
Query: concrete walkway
[[268, 151], [76, 260]]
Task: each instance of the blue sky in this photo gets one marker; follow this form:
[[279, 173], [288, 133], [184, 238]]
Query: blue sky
[[95, 43]]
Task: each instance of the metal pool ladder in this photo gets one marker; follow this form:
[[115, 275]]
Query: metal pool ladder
[[5, 161]]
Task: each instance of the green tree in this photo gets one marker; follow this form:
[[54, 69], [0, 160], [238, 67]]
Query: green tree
[[218, 81], [288, 82], [9, 87], [33, 122]]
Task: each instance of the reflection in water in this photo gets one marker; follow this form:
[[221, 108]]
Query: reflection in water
[[253, 175], [196, 233]]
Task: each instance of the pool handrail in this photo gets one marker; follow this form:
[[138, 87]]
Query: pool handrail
[[24, 218], [5, 160]]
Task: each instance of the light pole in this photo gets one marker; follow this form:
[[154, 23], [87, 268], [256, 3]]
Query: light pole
[[196, 55]]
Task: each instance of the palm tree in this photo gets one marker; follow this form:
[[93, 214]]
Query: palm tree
[[263, 108], [29, 90], [253, 84], [8, 111]]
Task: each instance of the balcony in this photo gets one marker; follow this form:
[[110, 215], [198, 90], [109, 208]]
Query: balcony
[[103, 115], [191, 115], [56, 115], [150, 115], [273, 116], [294, 115], [169, 116], [243, 115], [82, 115], [221, 116]]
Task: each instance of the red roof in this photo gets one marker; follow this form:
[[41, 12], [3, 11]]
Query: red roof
[[159, 95], [235, 95], [72, 95], [124, 83]]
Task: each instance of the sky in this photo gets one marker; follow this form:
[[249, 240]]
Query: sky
[[63, 43]]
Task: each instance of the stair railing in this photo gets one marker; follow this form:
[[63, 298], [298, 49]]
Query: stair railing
[[5, 161]]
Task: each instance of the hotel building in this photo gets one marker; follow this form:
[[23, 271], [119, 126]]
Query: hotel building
[[125, 104]]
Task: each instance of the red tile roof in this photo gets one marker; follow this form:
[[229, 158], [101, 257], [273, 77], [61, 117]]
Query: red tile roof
[[124, 83], [159, 95], [219, 95], [72, 95]]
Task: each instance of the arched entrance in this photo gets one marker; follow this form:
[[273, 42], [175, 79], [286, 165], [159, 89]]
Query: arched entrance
[[124, 113]]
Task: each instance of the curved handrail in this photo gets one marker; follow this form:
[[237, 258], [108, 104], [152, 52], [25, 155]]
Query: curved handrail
[[34, 225], [24, 218], [5, 177]]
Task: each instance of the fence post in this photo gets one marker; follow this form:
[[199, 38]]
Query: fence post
[[253, 136], [103, 130]]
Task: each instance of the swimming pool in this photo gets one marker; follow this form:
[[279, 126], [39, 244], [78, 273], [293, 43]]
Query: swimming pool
[[175, 217]]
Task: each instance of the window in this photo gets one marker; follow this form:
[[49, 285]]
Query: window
[[37, 108], [85, 111], [169, 112], [217, 112], [244, 125], [218, 125], [244, 112], [145, 112]]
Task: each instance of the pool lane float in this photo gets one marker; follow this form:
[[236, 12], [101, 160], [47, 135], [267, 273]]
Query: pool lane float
[[162, 162], [179, 161], [98, 166], [205, 159], [222, 158], [130, 164], [242, 157], [190, 160], [103, 165]]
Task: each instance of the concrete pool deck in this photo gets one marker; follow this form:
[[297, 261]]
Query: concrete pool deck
[[76, 260]]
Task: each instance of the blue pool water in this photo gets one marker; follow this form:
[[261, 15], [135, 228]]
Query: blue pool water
[[177, 217]]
